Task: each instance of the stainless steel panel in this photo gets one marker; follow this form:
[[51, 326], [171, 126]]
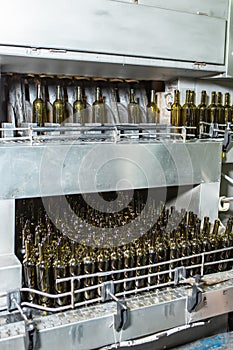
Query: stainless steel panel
[[10, 275], [132, 30], [92, 327], [73, 168], [25, 60], [208, 7], [229, 43], [7, 226]]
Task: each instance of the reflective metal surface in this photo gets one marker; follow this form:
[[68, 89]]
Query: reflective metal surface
[[24, 170]]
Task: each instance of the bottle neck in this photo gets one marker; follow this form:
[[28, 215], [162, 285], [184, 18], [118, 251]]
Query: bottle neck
[[41, 252], [39, 91], [98, 95], [132, 96], [187, 97], [203, 98], [152, 96], [227, 99], [177, 97], [58, 94], [79, 93], [219, 99], [213, 97]]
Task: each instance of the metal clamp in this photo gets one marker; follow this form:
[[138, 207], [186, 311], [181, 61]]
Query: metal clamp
[[121, 318], [13, 303], [180, 274], [227, 140], [195, 299]]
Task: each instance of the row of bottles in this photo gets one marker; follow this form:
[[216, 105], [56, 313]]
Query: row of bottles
[[191, 115], [31, 98], [100, 112], [48, 254]]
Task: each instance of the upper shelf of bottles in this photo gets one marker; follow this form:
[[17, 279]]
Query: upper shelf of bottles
[[142, 41]]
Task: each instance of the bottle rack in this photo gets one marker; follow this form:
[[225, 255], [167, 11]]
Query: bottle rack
[[176, 277]]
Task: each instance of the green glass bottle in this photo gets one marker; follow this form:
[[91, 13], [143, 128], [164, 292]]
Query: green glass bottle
[[202, 112], [186, 110], [212, 108], [176, 110], [78, 107], [227, 108], [220, 111], [102, 265], [59, 271], [58, 107], [29, 268], [98, 107], [89, 268], [116, 264], [153, 113], [38, 108], [43, 276]]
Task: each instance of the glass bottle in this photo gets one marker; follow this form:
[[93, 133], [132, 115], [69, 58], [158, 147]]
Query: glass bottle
[[186, 110], [48, 107], [102, 264], [220, 111], [58, 107], [68, 113], [212, 108], [202, 112], [98, 107], [152, 259], [75, 268], [59, 271], [153, 113], [227, 108], [193, 113], [116, 264], [78, 107], [29, 268], [43, 275], [39, 108], [140, 260], [133, 109], [128, 259], [176, 111], [28, 106], [89, 268]]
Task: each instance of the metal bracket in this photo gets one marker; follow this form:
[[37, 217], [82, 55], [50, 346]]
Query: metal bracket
[[30, 335], [180, 274], [195, 299], [122, 316], [227, 140], [13, 297], [106, 288], [13, 303]]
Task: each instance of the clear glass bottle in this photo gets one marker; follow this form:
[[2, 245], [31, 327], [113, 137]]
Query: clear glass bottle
[[133, 109]]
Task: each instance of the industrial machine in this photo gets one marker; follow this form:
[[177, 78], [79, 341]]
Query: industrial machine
[[109, 229]]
